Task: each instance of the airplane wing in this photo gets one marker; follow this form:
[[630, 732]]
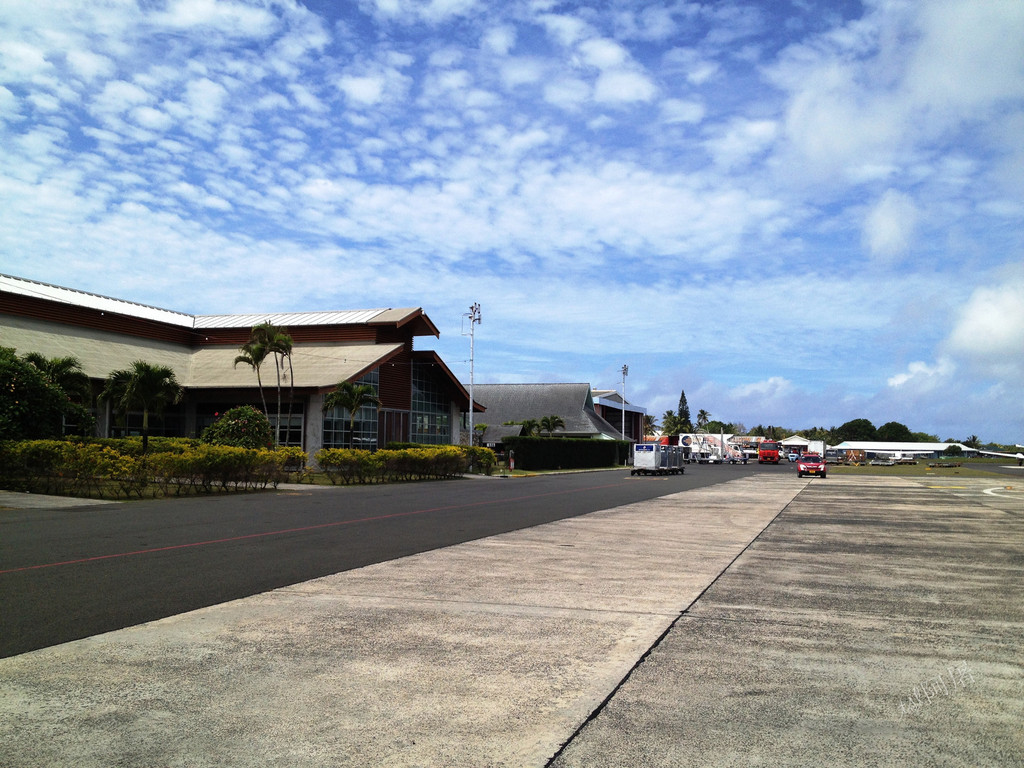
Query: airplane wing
[[1017, 455]]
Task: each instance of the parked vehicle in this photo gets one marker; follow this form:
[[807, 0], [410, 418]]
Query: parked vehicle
[[793, 456], [657, 459], [768, 452], [811, 464]]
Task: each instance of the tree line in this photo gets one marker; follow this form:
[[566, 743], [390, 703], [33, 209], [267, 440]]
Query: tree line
[[678, 422]]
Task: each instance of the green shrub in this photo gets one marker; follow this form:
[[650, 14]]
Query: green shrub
[[240, 427], [350, 465]]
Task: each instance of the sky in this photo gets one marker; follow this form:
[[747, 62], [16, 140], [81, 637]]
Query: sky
[[799, 212]]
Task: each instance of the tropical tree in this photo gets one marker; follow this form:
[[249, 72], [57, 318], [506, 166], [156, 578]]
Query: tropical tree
[[894, 432], [254, 353], [479, 436], [650, 425], [143, 387], [703, 417], [531, 427], [683, 413], [31, 405], [550, 423], [972, 442], [857, 429], [266, 339], [670, 424], [64, 372], [350, 397]]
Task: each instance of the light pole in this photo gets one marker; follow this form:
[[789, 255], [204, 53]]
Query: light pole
[[474, 318], [625, 372]]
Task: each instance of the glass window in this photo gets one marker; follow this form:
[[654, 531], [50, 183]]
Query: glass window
[[431, 414], [364, 433]]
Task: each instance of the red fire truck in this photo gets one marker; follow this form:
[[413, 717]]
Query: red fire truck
[[768, 452]]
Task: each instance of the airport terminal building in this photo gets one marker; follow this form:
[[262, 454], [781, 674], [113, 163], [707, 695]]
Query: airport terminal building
[[421, 401]]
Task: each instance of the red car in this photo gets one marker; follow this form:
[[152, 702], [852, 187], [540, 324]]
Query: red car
[[811, 464]]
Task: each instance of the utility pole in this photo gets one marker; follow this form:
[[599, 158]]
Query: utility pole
[[474, 318]]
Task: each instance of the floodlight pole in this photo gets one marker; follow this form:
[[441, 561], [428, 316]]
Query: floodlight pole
[[625, 372], [474, 318]]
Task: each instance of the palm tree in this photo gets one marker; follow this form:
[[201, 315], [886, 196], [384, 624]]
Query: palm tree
[[530, 427], [550, 423], [253, 354], [650, 425], [64, 372], [143, 387], [703, 417], [351, 397], [279, 344], [268, 339]]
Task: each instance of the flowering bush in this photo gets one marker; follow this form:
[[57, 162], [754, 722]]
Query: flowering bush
[[241, 427]]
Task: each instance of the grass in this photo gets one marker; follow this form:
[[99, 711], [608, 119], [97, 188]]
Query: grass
[[968, 468]]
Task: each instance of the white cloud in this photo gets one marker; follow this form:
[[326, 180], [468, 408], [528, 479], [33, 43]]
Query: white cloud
[[151, 118], [499, 40], [890, 224], [367, 90], [922, 377], [773, 387], [521, 71], [410, 11], [567, 93], [603, 53], [623, 86], [682, 111], [89, 65], [740, 140], [20, 60], [566, 30], [695, 67], [119, 96], [226, 17], [205, 98], [989, 331]]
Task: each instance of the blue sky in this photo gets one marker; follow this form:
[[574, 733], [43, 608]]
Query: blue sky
[[801, 212]]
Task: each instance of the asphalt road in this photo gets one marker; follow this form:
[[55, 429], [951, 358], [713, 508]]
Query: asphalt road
[[71, 573]]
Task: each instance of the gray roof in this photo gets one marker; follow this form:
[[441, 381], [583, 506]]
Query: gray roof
[[496, 433], [573, 402]]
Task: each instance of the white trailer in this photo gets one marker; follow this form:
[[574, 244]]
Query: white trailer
[[657, 459]]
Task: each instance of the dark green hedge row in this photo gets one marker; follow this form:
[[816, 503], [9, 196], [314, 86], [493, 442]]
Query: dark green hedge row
[[539, 453]]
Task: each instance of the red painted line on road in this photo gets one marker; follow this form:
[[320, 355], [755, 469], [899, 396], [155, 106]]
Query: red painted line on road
[[298, 530]]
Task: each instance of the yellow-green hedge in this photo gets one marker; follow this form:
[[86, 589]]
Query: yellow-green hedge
[[429, 462], [98, 468]]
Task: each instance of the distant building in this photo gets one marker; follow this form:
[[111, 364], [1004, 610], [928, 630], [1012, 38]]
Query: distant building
[[610, 406], [574, 403], [421, 400]]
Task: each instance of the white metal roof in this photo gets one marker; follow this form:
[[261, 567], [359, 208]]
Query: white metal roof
[[875, 445], [92, 301], [343, 317], [77, 298]]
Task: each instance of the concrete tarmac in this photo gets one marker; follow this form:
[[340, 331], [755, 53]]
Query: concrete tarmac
[[765, 621]]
